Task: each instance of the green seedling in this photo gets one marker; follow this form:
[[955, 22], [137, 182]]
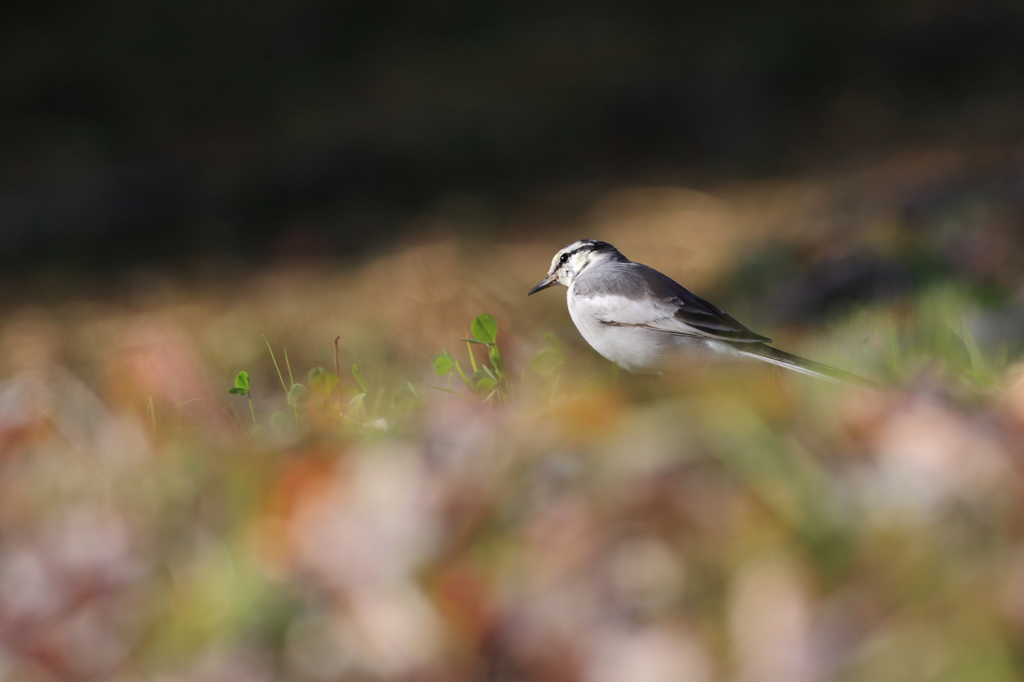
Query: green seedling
[[484, 329], [359, 378], [241, 387], [322, 382], [486, 380], [490, 379], [443, 365], [358, 401]]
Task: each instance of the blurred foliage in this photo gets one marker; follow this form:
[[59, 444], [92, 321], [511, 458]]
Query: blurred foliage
[[540, 517], [375, 510]]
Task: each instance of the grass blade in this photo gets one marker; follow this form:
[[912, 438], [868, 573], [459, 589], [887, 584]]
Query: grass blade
[[280, 378]]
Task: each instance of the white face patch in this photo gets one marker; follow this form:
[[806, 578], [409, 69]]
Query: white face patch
[[579, 257]]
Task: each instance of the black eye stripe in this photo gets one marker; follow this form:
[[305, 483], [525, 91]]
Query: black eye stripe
[[584, 246], [566, 256]]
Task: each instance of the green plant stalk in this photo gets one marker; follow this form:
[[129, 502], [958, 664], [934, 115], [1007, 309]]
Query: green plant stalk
[[152, 413], [215, 404], [494, 354], [280, 378], [291, 382], [499, 369], [444, 411], [462, 375], [291, 379], [472, 360], [252, 411]]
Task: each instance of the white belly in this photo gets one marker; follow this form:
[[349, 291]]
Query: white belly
[[634, 348]]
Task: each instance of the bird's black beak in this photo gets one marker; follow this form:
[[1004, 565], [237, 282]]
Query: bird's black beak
[[548, 281]]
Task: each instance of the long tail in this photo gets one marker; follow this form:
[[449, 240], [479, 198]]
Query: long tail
[[796, 363]]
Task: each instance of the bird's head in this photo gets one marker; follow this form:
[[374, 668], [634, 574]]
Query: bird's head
[[574, 259]]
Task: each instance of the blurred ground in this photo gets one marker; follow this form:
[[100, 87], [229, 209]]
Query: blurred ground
[[730, 523]]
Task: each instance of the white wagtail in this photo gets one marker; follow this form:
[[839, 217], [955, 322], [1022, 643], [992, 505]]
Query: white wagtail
[[634, 315]]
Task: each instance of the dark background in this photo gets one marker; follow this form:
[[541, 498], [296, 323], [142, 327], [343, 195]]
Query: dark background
[[162, 131]]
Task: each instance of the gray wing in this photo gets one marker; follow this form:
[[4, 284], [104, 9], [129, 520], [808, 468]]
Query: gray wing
[[631, 294]]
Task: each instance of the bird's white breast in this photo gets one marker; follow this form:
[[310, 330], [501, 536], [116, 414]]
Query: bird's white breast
[[632, 347]]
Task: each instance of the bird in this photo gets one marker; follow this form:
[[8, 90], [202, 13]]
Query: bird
[[638, 317]]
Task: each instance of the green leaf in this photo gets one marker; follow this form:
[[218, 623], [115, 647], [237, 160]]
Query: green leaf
[[297, 395], [237, 391], [323, 383], [359, 378], [242, 381], [484, 329], [443, 364], [279, 421], [485, 380], [315, 372], [357, 400]]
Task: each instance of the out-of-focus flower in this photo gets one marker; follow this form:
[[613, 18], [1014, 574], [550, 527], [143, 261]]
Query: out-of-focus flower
[[29, 589], [61, 593], [362, 534], [646, 654], [398, 630], [155, 361], [40, 403], [928, 453], [646, 575], [371, 525], [770, 623]]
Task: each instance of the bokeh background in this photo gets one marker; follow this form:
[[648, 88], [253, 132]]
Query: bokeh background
[[193, 189]]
